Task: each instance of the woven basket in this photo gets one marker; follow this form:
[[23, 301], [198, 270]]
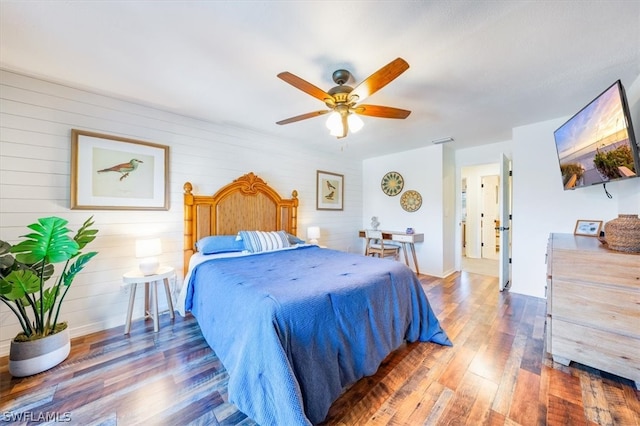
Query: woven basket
[[623, 233]]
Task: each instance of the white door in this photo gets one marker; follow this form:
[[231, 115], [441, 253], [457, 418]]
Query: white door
[[504, 266], [490, 213]]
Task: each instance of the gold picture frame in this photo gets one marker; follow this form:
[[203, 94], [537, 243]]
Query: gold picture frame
[[589, 228], [116, 173], [329, 191]]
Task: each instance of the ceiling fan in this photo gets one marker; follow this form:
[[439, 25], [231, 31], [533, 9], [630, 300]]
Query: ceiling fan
[[342, 100]]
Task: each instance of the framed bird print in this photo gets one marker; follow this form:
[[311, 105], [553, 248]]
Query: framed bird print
[[330, 191], [116, 173]]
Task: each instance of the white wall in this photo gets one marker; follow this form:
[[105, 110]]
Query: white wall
[[423, 171], [542, 206], [36, 122]]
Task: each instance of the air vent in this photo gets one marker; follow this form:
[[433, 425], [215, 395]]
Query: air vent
[[443, 140]]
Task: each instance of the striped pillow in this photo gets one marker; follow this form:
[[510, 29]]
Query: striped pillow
[[258, 241]]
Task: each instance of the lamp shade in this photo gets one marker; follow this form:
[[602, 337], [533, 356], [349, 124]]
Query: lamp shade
[[313, 233], [336, 125], [334, 122], [149, 247], [147, 251], [355, 123]]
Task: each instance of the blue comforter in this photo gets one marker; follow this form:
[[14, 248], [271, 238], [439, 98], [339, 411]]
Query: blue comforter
[[295, 327]]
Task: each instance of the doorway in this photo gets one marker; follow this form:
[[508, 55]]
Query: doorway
[[480, 218]]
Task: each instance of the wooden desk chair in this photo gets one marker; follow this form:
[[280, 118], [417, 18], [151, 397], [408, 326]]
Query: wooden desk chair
[[377, 247]]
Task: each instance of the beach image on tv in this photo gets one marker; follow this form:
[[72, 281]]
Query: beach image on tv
[[593, 146]]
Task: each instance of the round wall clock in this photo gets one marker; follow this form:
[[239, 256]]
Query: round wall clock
[[411, 201], [392, 183]]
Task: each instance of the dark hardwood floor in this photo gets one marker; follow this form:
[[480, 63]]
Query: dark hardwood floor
[[497, 373]]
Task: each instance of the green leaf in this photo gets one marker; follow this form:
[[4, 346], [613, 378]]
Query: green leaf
[[85, 235], [48, 297], [6, 259], [18, 283], [25, 301], [47, 272], [5, 287], [5, 248], [50, 243], [76, 267]]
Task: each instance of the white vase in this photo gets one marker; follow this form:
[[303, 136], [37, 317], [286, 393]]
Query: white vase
[[36, 356], [374, 223]]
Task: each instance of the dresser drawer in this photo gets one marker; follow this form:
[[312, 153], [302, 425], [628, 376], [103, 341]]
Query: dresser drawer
[[405, 238], [604, 307], [607, 268], [605, 351]]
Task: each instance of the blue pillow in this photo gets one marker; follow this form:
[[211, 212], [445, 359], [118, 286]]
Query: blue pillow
[[219, 244], [293, 240], [259, 241]]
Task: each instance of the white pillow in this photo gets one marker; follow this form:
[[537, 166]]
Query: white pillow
[[258, 241]]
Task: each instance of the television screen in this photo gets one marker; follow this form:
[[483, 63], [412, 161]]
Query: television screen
[[597, 145]]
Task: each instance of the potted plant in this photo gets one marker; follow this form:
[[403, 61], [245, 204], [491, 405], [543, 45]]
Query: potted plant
[[25, 271]]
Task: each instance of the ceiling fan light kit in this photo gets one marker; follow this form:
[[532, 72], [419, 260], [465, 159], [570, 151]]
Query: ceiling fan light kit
[[355, 123], [342, 99], [334, 120]]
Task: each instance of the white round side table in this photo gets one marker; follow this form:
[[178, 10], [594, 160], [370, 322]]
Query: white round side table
[[136, 277]]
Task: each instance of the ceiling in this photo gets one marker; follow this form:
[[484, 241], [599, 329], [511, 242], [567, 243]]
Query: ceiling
[[477, 68]]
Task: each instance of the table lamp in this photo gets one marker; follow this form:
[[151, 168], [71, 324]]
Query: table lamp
[[147, 251], [313, 233]]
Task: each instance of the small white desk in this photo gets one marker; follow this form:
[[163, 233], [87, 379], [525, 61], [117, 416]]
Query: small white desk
[[405, 239], [134, 278]]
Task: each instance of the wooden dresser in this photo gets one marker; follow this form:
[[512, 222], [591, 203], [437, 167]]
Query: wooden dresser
[[593, 305]]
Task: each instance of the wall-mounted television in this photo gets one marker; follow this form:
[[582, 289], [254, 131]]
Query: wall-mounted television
[[598, 145]]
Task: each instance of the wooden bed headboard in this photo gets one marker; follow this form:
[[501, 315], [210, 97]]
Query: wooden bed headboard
[[247, 203]]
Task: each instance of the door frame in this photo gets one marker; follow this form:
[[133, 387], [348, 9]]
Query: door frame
[[486, 157]]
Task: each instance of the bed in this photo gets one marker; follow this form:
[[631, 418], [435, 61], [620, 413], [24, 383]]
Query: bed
[[293, 324]]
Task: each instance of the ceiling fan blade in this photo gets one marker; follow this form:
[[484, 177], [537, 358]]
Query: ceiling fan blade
[[303, 117], [381, 111], [379, 79], [305, 86]]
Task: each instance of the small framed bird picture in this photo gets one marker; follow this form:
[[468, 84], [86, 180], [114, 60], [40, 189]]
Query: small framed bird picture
[[116, 173], [330, 191]]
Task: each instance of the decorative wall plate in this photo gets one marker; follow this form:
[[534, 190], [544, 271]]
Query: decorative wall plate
[[392, 183], [411, 200]]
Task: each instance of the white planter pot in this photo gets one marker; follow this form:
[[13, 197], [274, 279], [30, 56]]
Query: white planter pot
[[29, 358]]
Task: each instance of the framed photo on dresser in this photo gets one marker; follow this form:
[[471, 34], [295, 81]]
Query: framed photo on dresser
[[589, 228]]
